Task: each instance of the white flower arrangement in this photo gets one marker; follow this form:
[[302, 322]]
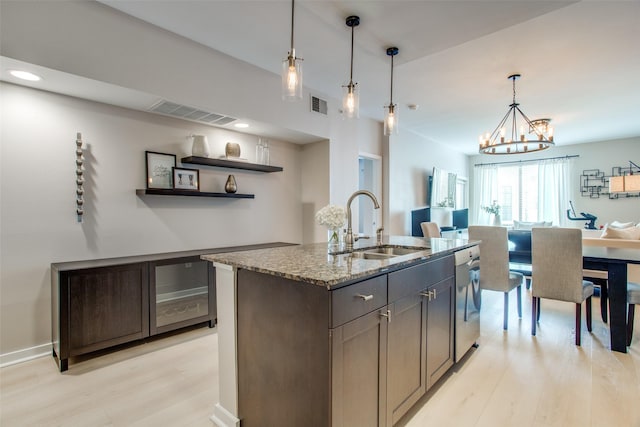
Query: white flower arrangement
[[494, 208], [331, 216]]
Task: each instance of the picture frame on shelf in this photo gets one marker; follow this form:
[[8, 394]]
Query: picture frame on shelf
[[159, 169], [186, 179]]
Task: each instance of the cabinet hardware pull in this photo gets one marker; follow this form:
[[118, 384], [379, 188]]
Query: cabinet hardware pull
[[365, 297], [387, 315], [428, 294]]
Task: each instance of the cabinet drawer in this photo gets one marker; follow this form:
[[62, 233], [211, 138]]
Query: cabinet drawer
[[414, 279], [358, 299]]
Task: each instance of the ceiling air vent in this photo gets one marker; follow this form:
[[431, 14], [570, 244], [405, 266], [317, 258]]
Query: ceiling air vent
[[318, 105], [190, 113]]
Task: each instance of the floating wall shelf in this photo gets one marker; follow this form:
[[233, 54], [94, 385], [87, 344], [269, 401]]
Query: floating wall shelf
[[169, 192], [232, 164]]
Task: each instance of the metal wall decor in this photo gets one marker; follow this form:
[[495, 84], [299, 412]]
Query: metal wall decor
[[79, 178], [595, 183]]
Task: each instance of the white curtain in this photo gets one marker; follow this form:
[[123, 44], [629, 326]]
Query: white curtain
[[554, 184], [554, 190], [485, 179]]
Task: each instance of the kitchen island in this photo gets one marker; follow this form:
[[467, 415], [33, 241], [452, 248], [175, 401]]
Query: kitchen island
[[317, 339]]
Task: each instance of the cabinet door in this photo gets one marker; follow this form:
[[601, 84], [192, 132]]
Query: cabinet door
[[440, 318], [359, 375], [406, 371], [107, 306], [180, 293]]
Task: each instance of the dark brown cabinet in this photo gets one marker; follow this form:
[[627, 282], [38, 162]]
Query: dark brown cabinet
[[358, 355], [359, 371], [440, 329], [99, 307], [106, 306], [407, 344], [417, 341]]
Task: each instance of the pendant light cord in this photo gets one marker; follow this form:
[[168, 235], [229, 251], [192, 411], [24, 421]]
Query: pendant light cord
[[391, 94], [292, 24], [351, 71]]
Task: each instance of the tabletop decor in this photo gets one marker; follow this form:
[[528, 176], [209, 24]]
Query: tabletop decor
[[332, 217], [493, 209], [231, 186], [186, 179], [159, 166]]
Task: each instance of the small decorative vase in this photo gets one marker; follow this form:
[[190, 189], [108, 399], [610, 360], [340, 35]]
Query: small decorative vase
[[334, 239], [496, 220], [200, 146], [232, 149], [231, 186]]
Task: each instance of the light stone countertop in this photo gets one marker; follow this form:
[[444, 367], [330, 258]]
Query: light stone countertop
[[313, 264]]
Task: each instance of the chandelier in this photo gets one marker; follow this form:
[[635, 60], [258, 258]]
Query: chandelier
[[510, 138]]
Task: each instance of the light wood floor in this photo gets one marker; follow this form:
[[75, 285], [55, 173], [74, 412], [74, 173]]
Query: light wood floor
[[512, 379]]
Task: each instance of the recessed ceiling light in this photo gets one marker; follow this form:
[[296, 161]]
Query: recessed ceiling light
[[25, 75], [242, 125]]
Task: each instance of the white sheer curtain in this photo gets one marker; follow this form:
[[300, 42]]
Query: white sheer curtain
[[485, 178], [554, 179], [553, 190]]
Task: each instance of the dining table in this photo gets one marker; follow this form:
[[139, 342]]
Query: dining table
[[612, 260]]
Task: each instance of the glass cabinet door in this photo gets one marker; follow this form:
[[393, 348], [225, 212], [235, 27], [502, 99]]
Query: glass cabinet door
[[182, 290]]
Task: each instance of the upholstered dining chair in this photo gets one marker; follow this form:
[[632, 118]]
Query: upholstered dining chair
[[430, 229], [600, 279], [494, 265], [557, 272], [633, 298]]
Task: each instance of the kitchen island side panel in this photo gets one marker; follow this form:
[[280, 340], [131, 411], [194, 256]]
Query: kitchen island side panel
[[283, 351]]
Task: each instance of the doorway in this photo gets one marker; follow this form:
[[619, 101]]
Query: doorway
[[370, 178]]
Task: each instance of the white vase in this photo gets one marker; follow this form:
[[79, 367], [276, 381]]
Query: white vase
[[496, 220], [200, 146]]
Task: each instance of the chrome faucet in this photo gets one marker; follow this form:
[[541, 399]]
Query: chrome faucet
[[349, 239]]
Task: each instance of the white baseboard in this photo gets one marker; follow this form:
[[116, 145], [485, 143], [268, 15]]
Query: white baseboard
[[24, 355], [223, 418]]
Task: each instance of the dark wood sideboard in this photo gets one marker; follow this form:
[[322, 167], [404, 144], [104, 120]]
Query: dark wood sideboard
[[97, 304]]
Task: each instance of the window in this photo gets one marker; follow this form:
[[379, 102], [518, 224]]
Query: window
[[526, 191]]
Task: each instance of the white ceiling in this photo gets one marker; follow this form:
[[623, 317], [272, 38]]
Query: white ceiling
[[579, 61]]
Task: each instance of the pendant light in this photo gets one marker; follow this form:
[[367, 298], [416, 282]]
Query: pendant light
[[292, 69], [509, 137], [391, 118], [351, 95]]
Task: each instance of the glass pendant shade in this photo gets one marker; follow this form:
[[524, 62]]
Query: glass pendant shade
[[391, 116], [292, 69], [391, 120], [292, 78], [351, 100], [350, 91]]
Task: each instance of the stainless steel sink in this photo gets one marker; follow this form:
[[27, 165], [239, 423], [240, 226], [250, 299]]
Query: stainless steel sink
[[393, 251], [370, 255], [384, 252]]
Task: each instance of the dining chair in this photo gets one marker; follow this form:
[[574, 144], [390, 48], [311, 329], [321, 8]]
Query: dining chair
[[600, 279], [633, 298], [430, 229], [557, 272], [494, 265]]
